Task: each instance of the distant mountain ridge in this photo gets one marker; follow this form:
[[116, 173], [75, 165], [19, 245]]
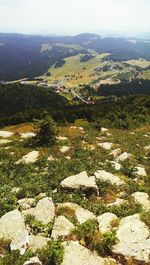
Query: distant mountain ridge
[[22, 56]]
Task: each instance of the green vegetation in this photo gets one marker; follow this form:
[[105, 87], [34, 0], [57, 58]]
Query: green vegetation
[[52, 254], [88, 233]]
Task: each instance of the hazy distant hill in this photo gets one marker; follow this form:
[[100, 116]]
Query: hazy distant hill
[[29, 56]]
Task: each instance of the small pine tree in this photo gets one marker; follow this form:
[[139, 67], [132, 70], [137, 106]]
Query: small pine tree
[[46, 135]]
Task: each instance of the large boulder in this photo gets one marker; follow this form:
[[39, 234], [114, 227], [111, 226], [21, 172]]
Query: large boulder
[[75, 254], [143, 199], [31, 157], [81, 214], [134, 239], [80, 181], [62, 227], [45, 210], [106, 176], [105, 221], [12, 227]]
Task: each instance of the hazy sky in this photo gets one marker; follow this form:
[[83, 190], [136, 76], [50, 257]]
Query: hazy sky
[[74, 16]]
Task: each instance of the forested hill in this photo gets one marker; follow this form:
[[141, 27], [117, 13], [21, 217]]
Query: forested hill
[[17, 98]]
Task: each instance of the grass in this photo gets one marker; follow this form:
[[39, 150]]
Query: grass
[[74, 72], [145, 75], [140, 63]]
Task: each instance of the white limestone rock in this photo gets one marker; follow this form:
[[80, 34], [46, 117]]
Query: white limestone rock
[[12, 227], [105, 221], [124, 156], [4, 141], [75, 254], [62, 227], [80, 181], [106, 145], [27, 135], [147, 148], [81, 214], [140, 171], [117, 202], [45, 210], [31, 157], [62, 138], [64, 149], [117, 166], [106, 176], [26, 203], [116, 152], [143, 199], [37, 242], [104, 130], [33, 261], [134, 239], [5, 134]]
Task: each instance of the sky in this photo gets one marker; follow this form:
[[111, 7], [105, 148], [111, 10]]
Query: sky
[[74, 16]]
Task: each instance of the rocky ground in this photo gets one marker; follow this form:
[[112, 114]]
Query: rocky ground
[[84, 201]]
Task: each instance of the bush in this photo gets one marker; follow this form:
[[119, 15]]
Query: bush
[[38, 227]]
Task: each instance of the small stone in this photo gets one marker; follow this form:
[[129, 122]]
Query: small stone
[[140, 171], [33, 261], [37, 242], [4, 141], [6, 134], [124, 156], [27, 135], [29, 158], [106, 145], [64, 149]]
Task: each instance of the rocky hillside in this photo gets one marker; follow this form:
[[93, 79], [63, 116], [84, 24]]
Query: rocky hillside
[[83, 201]]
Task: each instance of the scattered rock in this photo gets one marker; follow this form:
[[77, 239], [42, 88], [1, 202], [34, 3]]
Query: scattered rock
[[6, 134], [45, 210], [50, 158], [26, 203], [12, 228], [104, 130], [15, 190], [80, 181], [106, 176], [75, 254], [27, 135], [117, 202], [147, 148], [4, 141], [81, 214], [61, 138], [143, 199], [64, 149], [134, 238], [62, 227], [33, 261], [124, 156], [140, 171], [106, 145], [105, 220], [116, 165], [29, 158], [37, 242], [116, 152]]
